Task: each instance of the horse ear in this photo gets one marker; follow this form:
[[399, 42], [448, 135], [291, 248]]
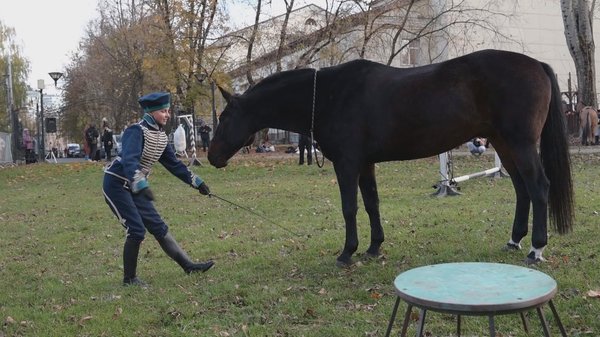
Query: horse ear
[[225, 94]]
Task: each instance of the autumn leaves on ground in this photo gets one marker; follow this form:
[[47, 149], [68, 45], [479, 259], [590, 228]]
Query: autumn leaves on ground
[[61, 267]]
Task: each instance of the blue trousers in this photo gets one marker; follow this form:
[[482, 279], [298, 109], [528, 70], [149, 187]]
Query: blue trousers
[[135, 212]]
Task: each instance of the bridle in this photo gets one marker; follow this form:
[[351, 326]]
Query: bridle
[[312, 124]]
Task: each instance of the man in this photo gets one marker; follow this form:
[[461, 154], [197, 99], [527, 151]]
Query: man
[[205, 135], [127, 191], [477, 146], [304, 144], [91, 137]]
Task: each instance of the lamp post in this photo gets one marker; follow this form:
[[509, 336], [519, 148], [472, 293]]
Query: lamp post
[[55, 76], [40, 85]]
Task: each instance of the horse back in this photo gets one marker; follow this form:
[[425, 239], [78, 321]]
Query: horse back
[[397, 113]]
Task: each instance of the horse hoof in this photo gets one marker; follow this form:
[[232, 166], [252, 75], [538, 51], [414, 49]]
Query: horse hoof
[[531, 262], [370, 256], [531, 259], [343, 264], [509, 247]]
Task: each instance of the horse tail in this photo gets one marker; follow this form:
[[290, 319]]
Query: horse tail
[[554, 153]]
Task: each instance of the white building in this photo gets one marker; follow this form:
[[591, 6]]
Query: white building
[[434, 31]]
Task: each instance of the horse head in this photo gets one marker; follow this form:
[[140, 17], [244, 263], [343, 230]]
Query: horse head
[[235, 130]]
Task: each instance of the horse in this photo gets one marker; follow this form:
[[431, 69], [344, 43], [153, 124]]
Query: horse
[[362, 112], [588, 120]]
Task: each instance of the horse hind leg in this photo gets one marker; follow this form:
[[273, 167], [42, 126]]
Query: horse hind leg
[[530, 167], [523, 202], [368, 189]]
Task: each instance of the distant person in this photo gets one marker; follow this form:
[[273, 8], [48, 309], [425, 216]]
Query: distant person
[[86, 145], [304, 144], [28, 145], [127, 193], [91, 137], [107, 141], [477, 146], [205, 136]]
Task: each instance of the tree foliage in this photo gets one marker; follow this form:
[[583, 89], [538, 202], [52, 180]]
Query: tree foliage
[[20, 71]]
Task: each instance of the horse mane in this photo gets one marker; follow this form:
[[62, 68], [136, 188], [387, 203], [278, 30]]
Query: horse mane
[[278, 79]]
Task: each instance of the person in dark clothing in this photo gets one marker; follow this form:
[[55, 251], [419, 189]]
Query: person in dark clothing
[[205, 136], [91, 137], [107, 141], [304, 144], [127, 193]]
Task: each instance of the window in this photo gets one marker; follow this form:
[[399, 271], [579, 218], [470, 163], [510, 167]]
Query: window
[[409, 55]]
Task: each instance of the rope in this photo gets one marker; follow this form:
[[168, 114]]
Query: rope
[[254, 213]]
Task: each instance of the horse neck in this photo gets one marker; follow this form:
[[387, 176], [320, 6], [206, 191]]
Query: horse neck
[[285, 102]]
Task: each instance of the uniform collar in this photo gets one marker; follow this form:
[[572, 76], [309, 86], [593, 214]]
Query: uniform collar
[[151, 121]]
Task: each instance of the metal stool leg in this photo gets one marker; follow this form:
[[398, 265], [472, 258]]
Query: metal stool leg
[[558, 322], [406, 320], [543, 321], [525, 322], [389, 329], [492, 326], [421, 326]]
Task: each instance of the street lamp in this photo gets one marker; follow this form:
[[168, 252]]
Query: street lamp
[[201, 78], [40, 85], [55, 76]]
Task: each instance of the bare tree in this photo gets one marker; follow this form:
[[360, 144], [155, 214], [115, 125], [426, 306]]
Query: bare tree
[[251, 42], [578, 21], [289, 6]]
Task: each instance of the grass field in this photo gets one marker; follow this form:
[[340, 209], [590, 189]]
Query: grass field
[[61, 265]]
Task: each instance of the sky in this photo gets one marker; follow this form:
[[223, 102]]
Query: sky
[[49, 31]]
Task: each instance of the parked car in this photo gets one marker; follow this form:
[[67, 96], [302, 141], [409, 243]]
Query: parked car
[[74, 151]]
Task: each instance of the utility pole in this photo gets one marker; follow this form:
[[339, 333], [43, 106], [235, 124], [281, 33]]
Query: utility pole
[[14, 122], [40, 84]]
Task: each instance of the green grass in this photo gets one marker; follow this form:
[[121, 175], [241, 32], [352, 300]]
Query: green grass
[[61, 267]]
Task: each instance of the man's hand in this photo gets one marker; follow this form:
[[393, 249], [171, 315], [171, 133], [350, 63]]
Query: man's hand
[[147, 192], [200, 185], [141, 187], [203, 188]]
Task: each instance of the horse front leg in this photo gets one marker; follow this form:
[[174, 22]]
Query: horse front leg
[[348, 184], [368, 189]]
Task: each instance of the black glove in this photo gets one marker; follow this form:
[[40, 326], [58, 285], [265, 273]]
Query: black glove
[[147, 192], [203, 188]]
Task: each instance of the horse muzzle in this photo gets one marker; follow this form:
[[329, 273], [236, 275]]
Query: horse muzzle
[[216, 161]]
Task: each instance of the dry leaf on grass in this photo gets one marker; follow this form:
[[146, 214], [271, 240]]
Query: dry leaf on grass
[[593, 293]]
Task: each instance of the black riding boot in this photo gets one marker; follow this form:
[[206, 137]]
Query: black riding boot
[[130, 256], [170, 246]]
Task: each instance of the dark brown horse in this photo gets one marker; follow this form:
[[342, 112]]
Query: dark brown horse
[[364, 112]]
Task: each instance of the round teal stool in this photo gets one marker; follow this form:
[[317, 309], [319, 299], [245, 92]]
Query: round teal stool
[[475, 289]]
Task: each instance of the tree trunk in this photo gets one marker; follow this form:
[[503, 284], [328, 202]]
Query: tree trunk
[[577, 19]]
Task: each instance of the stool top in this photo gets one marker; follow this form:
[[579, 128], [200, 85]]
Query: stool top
[[475, 287]]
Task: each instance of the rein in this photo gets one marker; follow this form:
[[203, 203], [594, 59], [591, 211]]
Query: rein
[[312, 125]]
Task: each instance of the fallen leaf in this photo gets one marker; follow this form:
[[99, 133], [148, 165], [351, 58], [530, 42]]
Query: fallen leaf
[[593, 293], [376, 295], [84, 319]]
